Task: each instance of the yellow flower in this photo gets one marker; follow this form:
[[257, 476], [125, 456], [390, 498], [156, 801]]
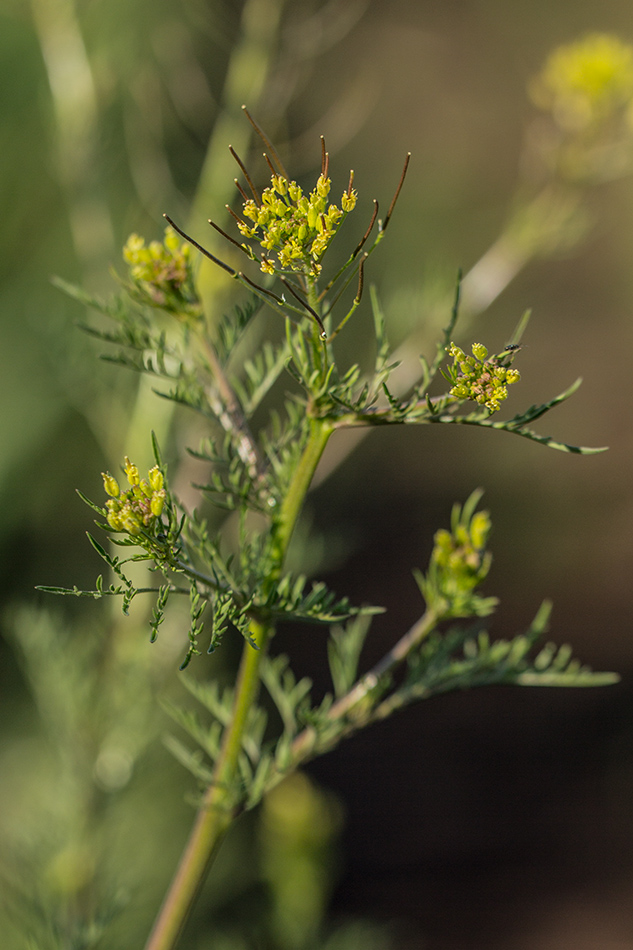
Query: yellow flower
[[585, 82], [139, 507], [163, 273], [131, 471], [348, 201], [296, 229], [111, 485], [156, 479], [476, 377]]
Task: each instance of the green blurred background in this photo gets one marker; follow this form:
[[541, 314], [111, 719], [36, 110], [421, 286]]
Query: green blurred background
[[499, 819]]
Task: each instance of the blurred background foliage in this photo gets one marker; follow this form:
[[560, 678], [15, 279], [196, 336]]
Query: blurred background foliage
[[493, 819]]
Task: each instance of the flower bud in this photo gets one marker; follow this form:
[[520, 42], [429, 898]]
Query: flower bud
[[111, 485], [348, 202], [323, 186], [131, 471], [114, 520], [130, 520], [294, 192], [156, 479], [157, 503]]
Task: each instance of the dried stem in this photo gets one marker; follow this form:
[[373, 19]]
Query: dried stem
[[199, 247], [304, 303], [255, 193], [269, 145], [398, 190]]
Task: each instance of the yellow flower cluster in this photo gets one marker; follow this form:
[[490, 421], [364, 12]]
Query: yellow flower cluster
[[476, 377], [296, 227], [460, 554], [140, 505], [584, 83], [163, 271]]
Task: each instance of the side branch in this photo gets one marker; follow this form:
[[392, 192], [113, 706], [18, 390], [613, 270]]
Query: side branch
[[303, 745], [229, 413]]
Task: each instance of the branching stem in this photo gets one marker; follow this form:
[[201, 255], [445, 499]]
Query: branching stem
[[398, 653], [219, 808], [302, 746]]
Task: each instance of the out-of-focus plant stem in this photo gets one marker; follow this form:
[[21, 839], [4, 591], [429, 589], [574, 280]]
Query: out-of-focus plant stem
[[76, 111], [247, 73]]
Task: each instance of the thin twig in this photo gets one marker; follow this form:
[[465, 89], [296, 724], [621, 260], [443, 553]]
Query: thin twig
[[398, 653], [331, 304], [361, 278], [199, 247], [269, 145], [304, 303], [272, 168], [303, 744], [235, 216], [261, 290], [241, 190], [256, 195], [228, 237], [353, 255], [325, 159], [398, 189]]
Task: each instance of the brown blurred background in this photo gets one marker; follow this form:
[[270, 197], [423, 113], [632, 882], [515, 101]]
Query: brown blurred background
[[497, 819]]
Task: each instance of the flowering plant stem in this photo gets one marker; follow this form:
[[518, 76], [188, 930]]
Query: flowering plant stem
[[216, 812], [262, 473]]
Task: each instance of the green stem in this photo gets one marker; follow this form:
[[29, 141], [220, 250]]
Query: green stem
[[217, 810], [320, 432], [398, 653], [302, 748], [215, 813]]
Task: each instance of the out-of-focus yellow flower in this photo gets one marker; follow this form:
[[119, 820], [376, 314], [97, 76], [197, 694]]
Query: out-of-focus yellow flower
[[460, 556], [585, 83], [162, 273]]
